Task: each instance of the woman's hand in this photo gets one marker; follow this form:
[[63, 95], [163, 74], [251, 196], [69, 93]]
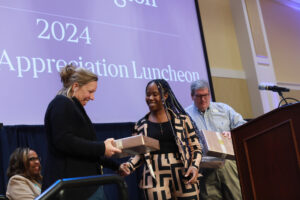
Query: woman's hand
[[193, 173], [124, 169], [110, 149]]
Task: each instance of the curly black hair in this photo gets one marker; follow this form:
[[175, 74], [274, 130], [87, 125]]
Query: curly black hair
[[171, 102]]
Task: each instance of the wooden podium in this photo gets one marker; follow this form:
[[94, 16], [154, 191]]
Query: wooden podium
[[267, 154]]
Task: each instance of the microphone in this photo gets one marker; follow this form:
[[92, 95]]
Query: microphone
[[273, 88]]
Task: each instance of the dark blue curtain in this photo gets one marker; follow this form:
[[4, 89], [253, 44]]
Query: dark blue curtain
[[33, 136]]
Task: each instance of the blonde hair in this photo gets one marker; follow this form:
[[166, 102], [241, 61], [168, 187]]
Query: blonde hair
[[70, 75]]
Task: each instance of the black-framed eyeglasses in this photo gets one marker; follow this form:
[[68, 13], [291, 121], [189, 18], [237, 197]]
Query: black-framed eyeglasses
[[201, 96]]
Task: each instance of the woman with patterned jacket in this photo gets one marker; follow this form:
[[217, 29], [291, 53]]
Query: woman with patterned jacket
[[172, 171]]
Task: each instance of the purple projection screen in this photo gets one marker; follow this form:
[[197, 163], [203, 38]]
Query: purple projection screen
[[125, 42]]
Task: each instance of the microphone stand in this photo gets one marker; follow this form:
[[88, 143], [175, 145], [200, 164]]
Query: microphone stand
[[282, 99]]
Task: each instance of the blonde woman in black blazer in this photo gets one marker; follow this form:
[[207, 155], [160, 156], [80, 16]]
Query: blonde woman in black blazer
[[73, 149]]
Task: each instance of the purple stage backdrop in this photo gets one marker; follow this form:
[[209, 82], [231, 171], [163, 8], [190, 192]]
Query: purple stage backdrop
[[125, 42]]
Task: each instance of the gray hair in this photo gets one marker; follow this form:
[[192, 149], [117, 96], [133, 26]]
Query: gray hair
[[199, 84]]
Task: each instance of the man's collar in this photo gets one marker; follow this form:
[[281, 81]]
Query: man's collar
[[200, 110]]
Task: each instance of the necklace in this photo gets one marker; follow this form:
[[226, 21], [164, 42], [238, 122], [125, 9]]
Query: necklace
[[161, 129]]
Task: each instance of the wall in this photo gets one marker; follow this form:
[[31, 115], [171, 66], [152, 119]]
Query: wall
[[283, 31], [282, 25], [228, 76]]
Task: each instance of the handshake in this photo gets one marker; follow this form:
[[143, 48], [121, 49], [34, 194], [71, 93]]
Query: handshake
[[124, 169], [129, 146], [110, 150]]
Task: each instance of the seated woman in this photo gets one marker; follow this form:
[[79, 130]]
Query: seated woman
[[24, 173]]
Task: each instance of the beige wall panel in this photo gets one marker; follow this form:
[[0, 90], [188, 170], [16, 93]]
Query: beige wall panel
[[283, 30], [219, 33], [257, 33], [292, 94], [233, 92]]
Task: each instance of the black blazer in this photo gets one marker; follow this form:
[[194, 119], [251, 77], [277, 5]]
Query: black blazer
[[73, 149]]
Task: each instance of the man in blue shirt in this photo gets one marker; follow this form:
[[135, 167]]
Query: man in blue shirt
[[220, 183]]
